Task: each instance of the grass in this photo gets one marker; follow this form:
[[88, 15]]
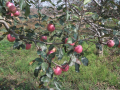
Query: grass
[[101, 73]]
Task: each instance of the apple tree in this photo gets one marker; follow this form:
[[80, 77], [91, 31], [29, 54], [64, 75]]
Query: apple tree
[[53, 43]]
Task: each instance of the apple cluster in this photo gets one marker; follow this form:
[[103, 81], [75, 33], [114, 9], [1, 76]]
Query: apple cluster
[[111, 43], [12, 39], [12, 9], [58, 69]]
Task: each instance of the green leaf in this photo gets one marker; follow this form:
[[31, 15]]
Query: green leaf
[[49, 72], [73, 58], [69, 40], [21, 4], [60, 7], [80, 42], [59, 1], [95, 16], [116, 40], [70, 52], [76, 7], [2, 37], [51, 47], [75, 17], [51, 56], [44, 66], [59, 53], [45, 18], [89, 13], [36, 71], [45, 79], [61, 21], [58, 85], [115, 32], [22, 46], [42, 53], [119, 23], [37, 25], [1, 69], [27, 10], [77, 67], [39, 60], [43, 47], [84, 61], [99, 46], [86, 1], [17, 44]]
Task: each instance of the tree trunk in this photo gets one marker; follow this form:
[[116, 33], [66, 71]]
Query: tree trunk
[[99, 52]]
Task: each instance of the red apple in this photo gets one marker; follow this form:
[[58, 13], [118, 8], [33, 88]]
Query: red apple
[[65, 67], [119, 45], [50, 53], [50, 27], [10, 38], [12, 9], [17, 13], [78, 49], [43, 38], [28, 46], [110, 43], [12, 14], [54, 49], [57, 70], [8, 4], [72, 44]]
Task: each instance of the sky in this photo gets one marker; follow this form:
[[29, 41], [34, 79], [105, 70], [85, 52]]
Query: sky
[[47, 3], [54, 1]]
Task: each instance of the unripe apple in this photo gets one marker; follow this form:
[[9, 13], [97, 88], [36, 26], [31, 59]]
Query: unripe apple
[[57, 70], [72, 44], [10, 38], [50, 27], [78, 49], [110, 43], [119, 45], [54, 49], [17, 13], [43, 38], [28, 46], [8, 4], [65, 67], [12, 9]]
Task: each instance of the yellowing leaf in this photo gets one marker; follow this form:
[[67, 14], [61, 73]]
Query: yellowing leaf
[[30, 63]]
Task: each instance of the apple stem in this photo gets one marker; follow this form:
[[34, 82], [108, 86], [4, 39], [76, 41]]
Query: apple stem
[[56, 64]]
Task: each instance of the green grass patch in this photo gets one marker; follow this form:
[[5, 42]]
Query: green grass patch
[[16, 73]]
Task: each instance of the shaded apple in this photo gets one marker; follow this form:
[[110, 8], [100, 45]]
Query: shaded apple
[[110, 43], [12, 9], [17, 13], [28, 46], [51, 27], [72, 44], [119, 45], [57, 70], [10, 38], [78, 49], [65, 67], [43, 38]]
